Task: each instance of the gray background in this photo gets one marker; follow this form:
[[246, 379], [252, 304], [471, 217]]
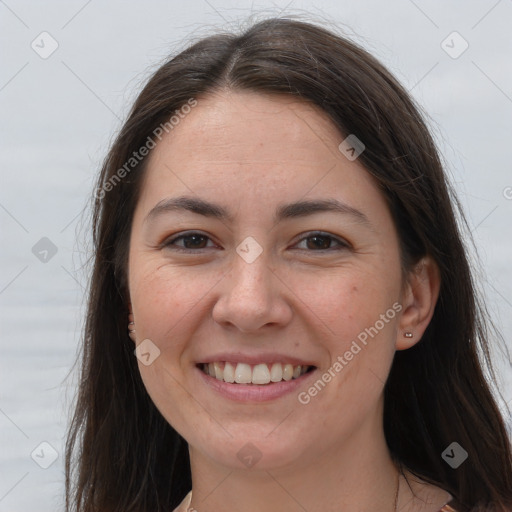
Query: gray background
[[60, 113]]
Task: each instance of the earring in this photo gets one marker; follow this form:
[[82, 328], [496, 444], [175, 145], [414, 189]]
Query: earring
[[408, 334], [131, 327]]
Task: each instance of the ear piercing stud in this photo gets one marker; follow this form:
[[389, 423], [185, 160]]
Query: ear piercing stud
[[408, 334]]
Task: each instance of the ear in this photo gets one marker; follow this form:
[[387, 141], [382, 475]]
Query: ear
[[131, 323], [419, 299]]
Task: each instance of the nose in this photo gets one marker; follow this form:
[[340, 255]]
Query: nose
[[252, 297]]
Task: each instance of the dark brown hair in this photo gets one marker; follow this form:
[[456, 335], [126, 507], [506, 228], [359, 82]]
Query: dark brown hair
[[122, 455]]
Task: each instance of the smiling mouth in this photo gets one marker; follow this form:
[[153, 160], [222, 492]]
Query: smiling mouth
[[259, 374]]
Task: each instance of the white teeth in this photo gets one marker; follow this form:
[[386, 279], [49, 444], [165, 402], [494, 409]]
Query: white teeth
[[219, 374], [229, 373], [260, 374], [276, 372], [287, 372], [243, 374]]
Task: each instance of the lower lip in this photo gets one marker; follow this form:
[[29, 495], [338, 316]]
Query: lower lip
[[254, 392]]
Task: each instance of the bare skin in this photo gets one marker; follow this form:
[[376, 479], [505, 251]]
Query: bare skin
[[301, 297]]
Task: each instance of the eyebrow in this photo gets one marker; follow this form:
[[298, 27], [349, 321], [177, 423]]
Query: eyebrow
[[283, 211]]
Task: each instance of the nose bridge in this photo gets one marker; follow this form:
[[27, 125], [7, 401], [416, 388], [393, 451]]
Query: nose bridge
[[251, 295], [250, 272]]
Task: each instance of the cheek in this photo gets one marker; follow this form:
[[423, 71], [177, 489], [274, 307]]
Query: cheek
[[349, 300], [358, 332], [165, 299]]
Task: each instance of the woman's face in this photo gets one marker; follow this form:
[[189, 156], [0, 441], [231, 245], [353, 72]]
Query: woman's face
[[283, 253]]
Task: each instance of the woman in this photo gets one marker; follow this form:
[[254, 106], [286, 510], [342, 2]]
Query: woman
[[274, 225]]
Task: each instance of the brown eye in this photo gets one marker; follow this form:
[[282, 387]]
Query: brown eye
[[319, 242], [191, 241], [196, 241], [323, 242]]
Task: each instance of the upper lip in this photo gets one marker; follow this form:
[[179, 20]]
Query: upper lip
[[252, 359]]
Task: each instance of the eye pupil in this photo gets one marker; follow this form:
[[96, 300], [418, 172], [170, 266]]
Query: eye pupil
[[324, 239], [196, 241]]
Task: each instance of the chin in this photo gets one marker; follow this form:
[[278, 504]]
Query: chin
[[255, 453]]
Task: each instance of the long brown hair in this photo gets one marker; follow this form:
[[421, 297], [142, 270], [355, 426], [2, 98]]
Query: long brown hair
[[122, 455]]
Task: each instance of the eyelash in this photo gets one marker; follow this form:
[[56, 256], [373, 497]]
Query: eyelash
[[169, 243]]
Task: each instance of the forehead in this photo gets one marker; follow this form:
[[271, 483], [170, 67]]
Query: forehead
[[222, 118], [250, 148]]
